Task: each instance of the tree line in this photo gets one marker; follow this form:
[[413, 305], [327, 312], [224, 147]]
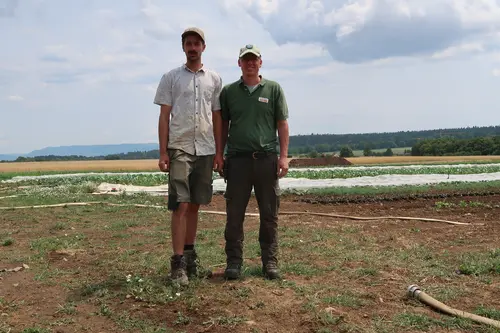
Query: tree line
[[323, 143], [449, 146], [136, 155]]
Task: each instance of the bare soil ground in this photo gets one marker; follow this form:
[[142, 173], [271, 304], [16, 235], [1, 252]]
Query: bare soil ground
[[103, 269]]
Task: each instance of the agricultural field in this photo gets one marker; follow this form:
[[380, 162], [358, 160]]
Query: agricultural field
[[85, 246], [152, 165]]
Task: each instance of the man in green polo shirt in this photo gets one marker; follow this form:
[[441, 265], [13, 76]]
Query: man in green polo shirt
[[253, 110]]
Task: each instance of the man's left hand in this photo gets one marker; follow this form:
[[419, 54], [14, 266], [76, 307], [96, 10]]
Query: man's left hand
[[218, 163], [282, 167]]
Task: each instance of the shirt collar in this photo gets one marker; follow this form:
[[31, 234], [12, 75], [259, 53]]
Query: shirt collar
[[202, 69], [261, 83]]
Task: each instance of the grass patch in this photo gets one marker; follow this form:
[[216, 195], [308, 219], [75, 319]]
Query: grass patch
[[346, 299], [8, 242], [424, 323], [480, 263], [46, 244], [35, 330]]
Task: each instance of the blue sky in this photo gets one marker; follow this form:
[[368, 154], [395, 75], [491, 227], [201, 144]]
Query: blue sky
[[85, 71]]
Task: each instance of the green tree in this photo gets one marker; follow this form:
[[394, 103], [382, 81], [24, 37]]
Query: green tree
[[346, 151], [313, 154], [388, 152]]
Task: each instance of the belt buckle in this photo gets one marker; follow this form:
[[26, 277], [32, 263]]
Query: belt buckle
[[253, 155]]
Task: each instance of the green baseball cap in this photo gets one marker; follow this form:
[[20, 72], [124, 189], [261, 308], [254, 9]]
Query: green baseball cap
[[250, 48]]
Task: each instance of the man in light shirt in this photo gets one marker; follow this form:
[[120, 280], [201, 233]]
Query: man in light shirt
[[190, 149]]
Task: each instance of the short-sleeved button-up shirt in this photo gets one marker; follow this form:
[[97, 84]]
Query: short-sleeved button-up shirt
[[193, 97]]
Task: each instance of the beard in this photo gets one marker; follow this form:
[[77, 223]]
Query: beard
[[193, 55]]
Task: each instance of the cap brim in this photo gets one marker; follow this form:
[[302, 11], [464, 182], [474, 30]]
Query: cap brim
[[250, 52]]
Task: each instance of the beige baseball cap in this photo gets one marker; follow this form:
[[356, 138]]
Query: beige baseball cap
[[250, 48], [195, 30]]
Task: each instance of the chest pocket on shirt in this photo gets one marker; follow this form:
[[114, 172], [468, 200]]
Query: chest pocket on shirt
[[207, 94]]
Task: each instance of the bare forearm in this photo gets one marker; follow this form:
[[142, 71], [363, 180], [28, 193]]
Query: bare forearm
[[284, 137], [217, 121], [224, 133], [163, 136], [163, 127]]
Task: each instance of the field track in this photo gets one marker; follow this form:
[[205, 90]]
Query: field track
[[86, 262], [151, 165]]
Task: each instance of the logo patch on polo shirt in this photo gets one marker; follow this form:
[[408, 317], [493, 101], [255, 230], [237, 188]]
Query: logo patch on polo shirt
[[263, 100]]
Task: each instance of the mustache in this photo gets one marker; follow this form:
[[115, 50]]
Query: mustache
[[192, 52]]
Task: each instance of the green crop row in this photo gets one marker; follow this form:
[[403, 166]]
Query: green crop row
[[374, 171]]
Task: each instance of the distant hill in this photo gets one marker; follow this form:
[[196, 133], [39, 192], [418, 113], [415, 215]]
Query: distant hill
[[9, 157], [97, 151]]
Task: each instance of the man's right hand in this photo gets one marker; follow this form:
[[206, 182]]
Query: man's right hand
[[164, 163]]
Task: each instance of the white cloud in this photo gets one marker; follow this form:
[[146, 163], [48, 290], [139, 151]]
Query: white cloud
[[15, 98], [496, 72], [8, 8], [362, 30], [458, 50]]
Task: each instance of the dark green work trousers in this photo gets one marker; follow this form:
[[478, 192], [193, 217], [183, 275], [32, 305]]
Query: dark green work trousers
[[242, 172]]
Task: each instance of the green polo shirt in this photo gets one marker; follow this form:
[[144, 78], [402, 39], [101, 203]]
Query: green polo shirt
[[253, 115]]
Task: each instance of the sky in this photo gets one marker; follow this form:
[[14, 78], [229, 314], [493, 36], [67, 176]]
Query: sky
[[85, 72]]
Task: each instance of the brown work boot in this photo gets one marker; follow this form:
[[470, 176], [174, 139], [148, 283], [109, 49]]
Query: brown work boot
[[271, 271], [178, 272]]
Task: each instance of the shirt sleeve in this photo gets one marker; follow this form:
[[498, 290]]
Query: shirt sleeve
[[223, 105], [164, 91], [281, 106], [216, 105]]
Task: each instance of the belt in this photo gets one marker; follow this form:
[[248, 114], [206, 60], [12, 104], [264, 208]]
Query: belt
[[254, 155]]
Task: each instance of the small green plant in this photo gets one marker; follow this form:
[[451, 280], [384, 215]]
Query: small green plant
[[58, 226], [35, 330], [8, 242], [225, 321], [68, 308], [443, 204], [104, 310], [181, 319]]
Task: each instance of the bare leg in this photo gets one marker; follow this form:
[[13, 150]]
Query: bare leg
[[191, 223], [178, 227]]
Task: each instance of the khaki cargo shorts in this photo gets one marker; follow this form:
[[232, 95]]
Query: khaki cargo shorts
[[190, 178]]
